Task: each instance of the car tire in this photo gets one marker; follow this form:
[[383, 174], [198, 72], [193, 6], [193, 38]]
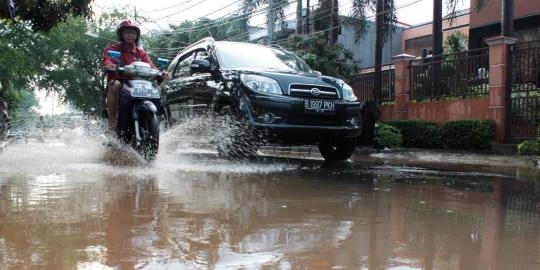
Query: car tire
[[337, 149], [237, 139]]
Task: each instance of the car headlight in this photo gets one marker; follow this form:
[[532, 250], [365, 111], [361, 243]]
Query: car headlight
[[261, 84], [348, 92]]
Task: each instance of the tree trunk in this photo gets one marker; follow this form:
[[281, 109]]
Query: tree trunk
[[299, 18], [335, 22], [306, 23], [437, 28], [271, 21], [507, 18], [379, 43], [437, 49]]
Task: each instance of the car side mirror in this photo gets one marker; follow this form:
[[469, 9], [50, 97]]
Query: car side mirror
[[199, 66], [318, 73]]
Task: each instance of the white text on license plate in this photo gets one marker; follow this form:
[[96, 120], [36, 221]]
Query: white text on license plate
[[319, 105]]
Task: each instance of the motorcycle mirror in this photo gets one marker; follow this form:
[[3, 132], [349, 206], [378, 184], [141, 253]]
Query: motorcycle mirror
[[115, 55], [163, 63]]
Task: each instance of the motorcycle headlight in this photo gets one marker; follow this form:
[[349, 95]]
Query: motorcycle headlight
[[348, 93], [261, 84]]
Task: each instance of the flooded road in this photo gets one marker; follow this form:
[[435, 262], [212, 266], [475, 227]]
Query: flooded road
[[63, 205]]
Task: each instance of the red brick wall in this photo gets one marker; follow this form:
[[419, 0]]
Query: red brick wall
[[442, 111]]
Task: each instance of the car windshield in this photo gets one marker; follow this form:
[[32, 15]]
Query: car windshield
[[243, 55]]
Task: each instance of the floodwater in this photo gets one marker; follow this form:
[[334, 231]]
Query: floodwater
[[67, 204]]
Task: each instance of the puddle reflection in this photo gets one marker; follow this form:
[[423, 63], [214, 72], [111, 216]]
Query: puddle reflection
[[321, 216]]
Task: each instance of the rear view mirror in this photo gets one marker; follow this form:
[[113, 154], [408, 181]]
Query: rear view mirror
[[200, 66], [115, 55], [163, 63]]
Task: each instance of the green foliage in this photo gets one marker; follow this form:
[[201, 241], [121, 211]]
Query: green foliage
[[528, 148], [388, 136], [22, 115], [468, 134], [420, 134], [456, 42], [329, 60], [62, 60], [362, 10], [44, 15]]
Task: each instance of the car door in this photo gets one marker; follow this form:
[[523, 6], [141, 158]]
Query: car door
[[204, 85], [176, 91]]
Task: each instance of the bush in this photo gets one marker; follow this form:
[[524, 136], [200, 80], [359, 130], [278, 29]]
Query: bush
[[388, 136], [422, 134], [528, 148], [468, 134]]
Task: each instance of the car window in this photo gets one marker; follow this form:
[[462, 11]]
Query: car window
[[182, 70], [234, 55]]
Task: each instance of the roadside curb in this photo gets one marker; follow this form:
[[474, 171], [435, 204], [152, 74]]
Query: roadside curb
[[423, 156]]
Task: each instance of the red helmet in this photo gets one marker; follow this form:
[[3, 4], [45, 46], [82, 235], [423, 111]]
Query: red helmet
[[128, 24]]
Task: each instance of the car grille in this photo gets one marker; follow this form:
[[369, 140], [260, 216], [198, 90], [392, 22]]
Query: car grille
[[314, 120], [313, 91]]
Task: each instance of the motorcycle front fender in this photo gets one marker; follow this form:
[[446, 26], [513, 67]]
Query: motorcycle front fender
[[143, 105]]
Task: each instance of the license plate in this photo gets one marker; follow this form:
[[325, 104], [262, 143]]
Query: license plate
[[145, 92], [319, 105]]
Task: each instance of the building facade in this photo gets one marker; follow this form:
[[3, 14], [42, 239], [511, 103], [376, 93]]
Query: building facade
[[418, 39]]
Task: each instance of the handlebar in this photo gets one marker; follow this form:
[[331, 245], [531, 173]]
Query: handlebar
[[156, 74]]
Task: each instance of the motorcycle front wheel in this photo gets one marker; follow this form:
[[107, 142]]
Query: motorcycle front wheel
[[149, 130]]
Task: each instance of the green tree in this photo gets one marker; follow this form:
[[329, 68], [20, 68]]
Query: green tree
[[326, 19], [44, 15], [275, 13], [385, 19], [329, 60]]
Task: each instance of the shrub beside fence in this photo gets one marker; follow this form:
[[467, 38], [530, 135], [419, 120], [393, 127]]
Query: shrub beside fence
[[463, 74], [364, 85]]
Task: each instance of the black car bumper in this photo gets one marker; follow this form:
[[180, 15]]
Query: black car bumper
[[292, 123]]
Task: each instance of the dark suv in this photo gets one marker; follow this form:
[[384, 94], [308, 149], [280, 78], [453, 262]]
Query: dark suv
[[270, 91]]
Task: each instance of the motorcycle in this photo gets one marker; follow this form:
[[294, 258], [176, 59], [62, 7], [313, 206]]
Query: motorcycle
[[140, 98]]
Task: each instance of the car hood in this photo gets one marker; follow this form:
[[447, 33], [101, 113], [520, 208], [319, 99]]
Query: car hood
[[286, 78]]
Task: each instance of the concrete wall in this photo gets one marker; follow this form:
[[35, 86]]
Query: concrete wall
[[491, 13], [364, 50], [441, 112]]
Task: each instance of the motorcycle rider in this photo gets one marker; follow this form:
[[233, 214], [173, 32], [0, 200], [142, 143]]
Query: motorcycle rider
[[128, 34]]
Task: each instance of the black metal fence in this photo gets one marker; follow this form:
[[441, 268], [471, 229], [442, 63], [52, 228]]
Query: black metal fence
[[364, 85], [525, 90], [457, 75]]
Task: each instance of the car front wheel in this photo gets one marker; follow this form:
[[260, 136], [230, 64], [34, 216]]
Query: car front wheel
[[335, 149]]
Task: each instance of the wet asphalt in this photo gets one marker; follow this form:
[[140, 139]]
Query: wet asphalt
[[69, 202]]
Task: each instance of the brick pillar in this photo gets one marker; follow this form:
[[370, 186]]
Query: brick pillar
[[402, 85], [498, 79]]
